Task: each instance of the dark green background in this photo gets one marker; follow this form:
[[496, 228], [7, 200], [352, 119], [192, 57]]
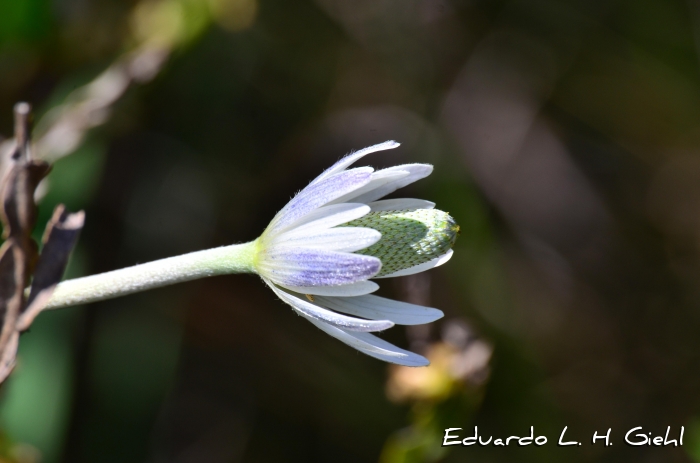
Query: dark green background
[[566, 142]]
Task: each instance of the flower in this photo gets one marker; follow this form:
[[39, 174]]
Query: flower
[[320, 251]]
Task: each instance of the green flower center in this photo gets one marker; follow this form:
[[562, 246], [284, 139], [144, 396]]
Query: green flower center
[[409, 238]]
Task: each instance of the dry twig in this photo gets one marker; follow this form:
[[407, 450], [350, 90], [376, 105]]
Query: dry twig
[[19, 255]]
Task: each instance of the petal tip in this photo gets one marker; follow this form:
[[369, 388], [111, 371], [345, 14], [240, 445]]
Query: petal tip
[[377, 261], [387, 145], [414, 360], [382, 325]]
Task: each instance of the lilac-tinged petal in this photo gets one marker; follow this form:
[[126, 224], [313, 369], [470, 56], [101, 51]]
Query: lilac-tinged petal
[[345, 239], [359, 288], [416, 172], [319, 194], [401, 204], [373, 346], [381, 308], [329, 216], [438, 261], [323, 315], [314, 267], [379, 179], [354, 157]]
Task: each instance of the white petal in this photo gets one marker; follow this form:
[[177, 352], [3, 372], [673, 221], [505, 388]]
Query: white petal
[[355, 289], [318, 194], [354, 157], [308, 267], [379, 179], [327, 217], [381, 308], [374, 346], [345, 239], [401, 204], [320, 314], [416, 172], [438, 261]]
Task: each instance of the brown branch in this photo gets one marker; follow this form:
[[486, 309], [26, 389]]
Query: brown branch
[[19, 253]]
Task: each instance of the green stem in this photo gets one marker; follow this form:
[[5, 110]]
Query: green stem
[[237, 258]]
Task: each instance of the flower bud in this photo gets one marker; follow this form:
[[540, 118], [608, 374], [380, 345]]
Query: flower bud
[[409, 238]]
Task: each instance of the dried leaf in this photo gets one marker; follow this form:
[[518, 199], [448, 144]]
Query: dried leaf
[[59, 238], [19, 210]]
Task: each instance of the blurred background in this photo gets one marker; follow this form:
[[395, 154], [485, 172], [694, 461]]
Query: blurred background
[[565, 136]]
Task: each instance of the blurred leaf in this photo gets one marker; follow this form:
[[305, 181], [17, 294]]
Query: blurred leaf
[[24, 20]]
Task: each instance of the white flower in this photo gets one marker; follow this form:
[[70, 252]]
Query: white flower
[[321, 249]]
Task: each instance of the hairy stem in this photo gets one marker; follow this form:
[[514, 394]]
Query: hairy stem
[[237, 258]]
